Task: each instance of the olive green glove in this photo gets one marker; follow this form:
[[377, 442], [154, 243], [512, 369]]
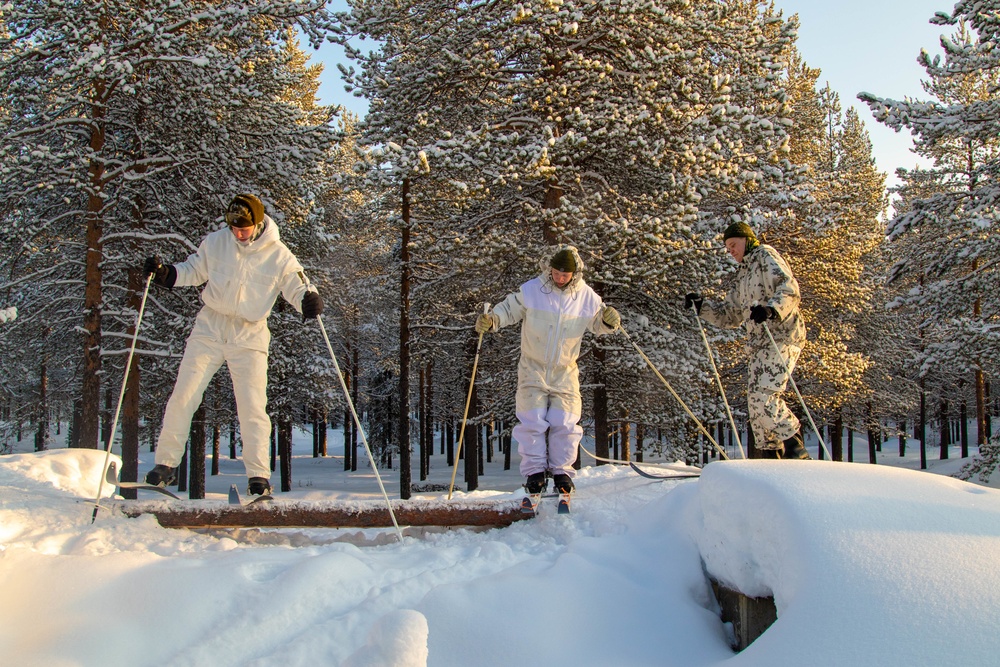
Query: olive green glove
[[485, 322], [611, 317]]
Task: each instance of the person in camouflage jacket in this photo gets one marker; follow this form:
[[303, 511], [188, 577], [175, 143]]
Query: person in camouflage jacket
[[763, 291]]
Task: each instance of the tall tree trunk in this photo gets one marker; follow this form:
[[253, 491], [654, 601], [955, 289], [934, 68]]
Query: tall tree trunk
[[422, 421], [874, 438], [197, 454], [404, 347], [470, 435], [922, 426], [901, 427], [837, 437], [626, 430], [130, 407], [980, 382], [216, 444], [285, 453], [348, 429], [90, 389], [429, 407], [42, 434], [963, 426], [322, 433], [945, 429], [355, 373], [600, 406]]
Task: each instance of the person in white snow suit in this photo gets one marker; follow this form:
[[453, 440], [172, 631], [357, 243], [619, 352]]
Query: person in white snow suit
[[243, 267], [555, 310], [763, 291]]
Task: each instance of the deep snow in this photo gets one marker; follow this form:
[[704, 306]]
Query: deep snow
[[869, 565]]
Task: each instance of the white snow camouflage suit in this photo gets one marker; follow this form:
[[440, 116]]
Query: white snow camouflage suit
[[548, 378], [764, 278], [243, 282]]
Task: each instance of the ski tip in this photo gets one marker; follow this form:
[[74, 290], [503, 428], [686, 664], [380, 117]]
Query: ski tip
[[234, 495]]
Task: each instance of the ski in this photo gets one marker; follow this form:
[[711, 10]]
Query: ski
[[563, 503], [649, 475], [111, 477], [236, 499]]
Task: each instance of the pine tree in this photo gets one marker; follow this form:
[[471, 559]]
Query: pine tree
[[518, 127], [129, 127], [950, 213]]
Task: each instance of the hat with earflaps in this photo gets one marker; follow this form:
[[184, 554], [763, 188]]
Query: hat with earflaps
[[741, 229]]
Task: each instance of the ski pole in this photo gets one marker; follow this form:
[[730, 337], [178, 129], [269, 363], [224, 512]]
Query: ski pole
[[795, 387], [690, 414], [357, 423], [465, 415], [121, 397], [718, 379]]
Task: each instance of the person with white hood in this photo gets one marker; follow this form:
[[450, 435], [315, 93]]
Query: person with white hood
[[555, 309], [243, 267]]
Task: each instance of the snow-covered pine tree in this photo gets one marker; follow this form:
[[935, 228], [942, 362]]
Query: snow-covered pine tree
[[951, 213], [605, 127], [129, 128]]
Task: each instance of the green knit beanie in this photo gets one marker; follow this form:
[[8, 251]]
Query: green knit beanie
[[741, 229], [564, 261]]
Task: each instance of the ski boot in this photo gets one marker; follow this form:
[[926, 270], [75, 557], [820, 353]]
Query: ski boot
[[795, 449], [564, 483], [259, 486], [161, 475], [535, 485], [772, 453]]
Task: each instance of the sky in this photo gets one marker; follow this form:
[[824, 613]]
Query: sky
[[868, 565], [859, 46]]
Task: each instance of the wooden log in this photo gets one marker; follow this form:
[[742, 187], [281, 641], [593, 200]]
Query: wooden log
[[327, 514]]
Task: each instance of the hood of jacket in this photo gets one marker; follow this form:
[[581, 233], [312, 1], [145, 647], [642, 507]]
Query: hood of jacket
[[546, 276]]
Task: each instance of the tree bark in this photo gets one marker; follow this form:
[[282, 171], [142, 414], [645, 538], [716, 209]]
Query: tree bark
[[404, 347], [90, 389], [285, 453], [600, 406], [197, 454], [130, 407]]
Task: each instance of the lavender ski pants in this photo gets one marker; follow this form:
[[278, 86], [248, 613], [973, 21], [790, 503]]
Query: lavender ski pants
[[559, 414]]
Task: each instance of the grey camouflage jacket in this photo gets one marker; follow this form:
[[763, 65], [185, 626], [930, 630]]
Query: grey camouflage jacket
[[762, 278]]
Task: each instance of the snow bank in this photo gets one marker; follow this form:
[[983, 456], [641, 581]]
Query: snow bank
[[862, 560]]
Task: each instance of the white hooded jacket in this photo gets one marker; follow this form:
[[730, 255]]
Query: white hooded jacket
[[242, 285], [553, 323]]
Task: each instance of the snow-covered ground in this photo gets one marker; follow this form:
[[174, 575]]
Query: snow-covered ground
[[868, 565]]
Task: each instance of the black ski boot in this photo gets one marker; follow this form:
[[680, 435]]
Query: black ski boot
[[536, 483], [563, 483], [795, 449], [259, 486], [771, 454], [161, 475]]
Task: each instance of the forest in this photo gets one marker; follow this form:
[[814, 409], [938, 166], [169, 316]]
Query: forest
[[634, 130]]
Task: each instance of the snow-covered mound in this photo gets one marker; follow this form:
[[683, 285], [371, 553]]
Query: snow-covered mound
[[863, 561]]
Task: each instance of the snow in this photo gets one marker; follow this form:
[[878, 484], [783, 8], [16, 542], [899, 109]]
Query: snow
[[868, 565]]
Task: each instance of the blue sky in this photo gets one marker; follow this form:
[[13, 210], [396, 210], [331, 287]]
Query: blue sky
[[860, 45]]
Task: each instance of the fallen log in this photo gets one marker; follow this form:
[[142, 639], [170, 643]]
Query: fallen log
[[326, 514]]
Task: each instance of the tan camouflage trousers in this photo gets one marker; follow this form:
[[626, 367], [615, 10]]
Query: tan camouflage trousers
[[770, 418]]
